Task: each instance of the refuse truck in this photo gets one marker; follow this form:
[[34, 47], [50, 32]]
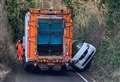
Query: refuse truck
[[47, 42], [47, 38]]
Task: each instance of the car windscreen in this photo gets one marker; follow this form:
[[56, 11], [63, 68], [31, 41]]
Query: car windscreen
[[79, 45], [76, 46]]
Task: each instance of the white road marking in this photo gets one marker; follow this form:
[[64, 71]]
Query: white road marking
[[81, 77]]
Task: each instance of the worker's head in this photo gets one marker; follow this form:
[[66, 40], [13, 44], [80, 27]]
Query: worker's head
[[19, 41]]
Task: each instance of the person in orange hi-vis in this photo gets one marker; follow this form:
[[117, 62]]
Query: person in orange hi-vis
[[19, 47]]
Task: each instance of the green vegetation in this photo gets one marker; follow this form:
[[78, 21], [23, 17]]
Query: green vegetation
[[16, 12], [113, 31], [113, 7], [13, 16]]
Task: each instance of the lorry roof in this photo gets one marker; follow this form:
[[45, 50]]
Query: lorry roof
[[50, 11]]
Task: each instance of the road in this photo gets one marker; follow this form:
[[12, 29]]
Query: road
[[49, 76]]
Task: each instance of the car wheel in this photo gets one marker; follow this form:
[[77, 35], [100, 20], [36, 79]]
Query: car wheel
[[87, 66], [81, 70]]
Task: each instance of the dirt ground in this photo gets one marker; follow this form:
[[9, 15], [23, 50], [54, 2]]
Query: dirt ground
[[105, 73], [7, 49]]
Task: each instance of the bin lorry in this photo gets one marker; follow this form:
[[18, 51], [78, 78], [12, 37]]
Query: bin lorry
[[47, 38], [48, 44]]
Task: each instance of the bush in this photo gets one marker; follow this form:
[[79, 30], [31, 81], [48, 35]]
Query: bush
[[13, 16], [16, 13]]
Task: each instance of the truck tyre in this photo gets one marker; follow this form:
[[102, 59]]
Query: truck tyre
[[29, 67], [64, 68], [23, 59]]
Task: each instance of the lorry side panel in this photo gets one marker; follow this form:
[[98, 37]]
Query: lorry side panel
[[26, 36], [32, 37], [68, 35]]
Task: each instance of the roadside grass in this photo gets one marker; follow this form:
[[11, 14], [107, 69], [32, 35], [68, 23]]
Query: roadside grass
[[106, 62]]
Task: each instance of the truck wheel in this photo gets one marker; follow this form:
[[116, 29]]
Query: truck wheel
[[29, 67], [23, 59], [64, 68]]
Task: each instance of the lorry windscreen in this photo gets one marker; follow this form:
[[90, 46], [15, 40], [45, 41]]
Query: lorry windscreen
[[50, 36]]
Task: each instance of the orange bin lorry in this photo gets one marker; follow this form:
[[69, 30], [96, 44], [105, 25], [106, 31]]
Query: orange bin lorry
[[47, 38]]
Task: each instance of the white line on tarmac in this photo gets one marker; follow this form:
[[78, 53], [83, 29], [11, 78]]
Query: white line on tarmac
[[81, 77]]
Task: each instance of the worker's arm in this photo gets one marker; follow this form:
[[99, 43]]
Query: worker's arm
[[16, 45]]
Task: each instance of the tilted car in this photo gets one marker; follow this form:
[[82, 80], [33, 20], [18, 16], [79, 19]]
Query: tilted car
[[82, 54]]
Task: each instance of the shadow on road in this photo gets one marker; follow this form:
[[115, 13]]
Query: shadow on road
[[48, 72], [20, 69]]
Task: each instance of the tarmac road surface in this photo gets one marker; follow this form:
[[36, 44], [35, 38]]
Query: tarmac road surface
[[48, 76]]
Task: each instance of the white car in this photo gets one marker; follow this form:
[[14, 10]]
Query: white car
[[82, 54]]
